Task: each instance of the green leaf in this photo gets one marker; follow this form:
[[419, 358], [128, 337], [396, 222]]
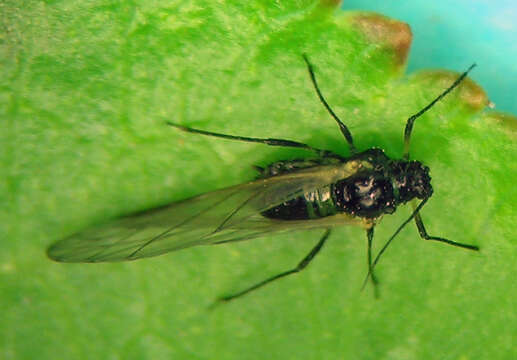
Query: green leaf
[[85, 91]]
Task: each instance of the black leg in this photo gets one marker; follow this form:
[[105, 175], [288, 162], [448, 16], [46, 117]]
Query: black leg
[[302, 265], [369, 234], [269, 141], [424, 235], [342, 127], [412, 118], [387, 244]]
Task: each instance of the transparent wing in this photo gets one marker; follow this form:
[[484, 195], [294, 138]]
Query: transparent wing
[[230, 214]]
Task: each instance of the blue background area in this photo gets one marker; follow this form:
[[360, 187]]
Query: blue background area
[[452, 35]]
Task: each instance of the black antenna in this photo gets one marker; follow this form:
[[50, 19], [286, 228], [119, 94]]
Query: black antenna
[[342, 127], [412, 118]]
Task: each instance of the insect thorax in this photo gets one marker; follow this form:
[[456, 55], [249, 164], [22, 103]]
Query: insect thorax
[[372, 191]]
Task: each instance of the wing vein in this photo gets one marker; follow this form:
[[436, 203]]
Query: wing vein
[[147, 243]]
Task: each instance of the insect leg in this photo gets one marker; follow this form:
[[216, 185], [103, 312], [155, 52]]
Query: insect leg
[[383, 249], [412, 118], [269, 141], [369, 234], [424, 235], [342, 127], [301, 265]]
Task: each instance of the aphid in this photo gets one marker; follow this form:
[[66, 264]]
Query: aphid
[[323, 192]]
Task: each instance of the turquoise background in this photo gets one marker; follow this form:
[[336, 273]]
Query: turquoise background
[[454, 36]]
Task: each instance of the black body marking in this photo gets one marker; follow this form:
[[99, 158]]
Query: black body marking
[[323, 192]]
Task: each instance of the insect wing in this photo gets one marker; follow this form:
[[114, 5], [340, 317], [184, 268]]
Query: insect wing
[[230, 214]]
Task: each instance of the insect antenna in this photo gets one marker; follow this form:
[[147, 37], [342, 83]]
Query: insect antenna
[[412, 118], [268, 141], [342, 127], [372, 266]]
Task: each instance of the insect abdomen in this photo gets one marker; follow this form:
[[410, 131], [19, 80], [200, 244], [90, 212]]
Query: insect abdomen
[[312, 205]]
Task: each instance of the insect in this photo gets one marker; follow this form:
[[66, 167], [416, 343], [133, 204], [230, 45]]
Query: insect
[[323, 192]]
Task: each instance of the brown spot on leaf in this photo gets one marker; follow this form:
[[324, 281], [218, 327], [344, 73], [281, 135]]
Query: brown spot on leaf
[[392, 33], [330, 3]]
